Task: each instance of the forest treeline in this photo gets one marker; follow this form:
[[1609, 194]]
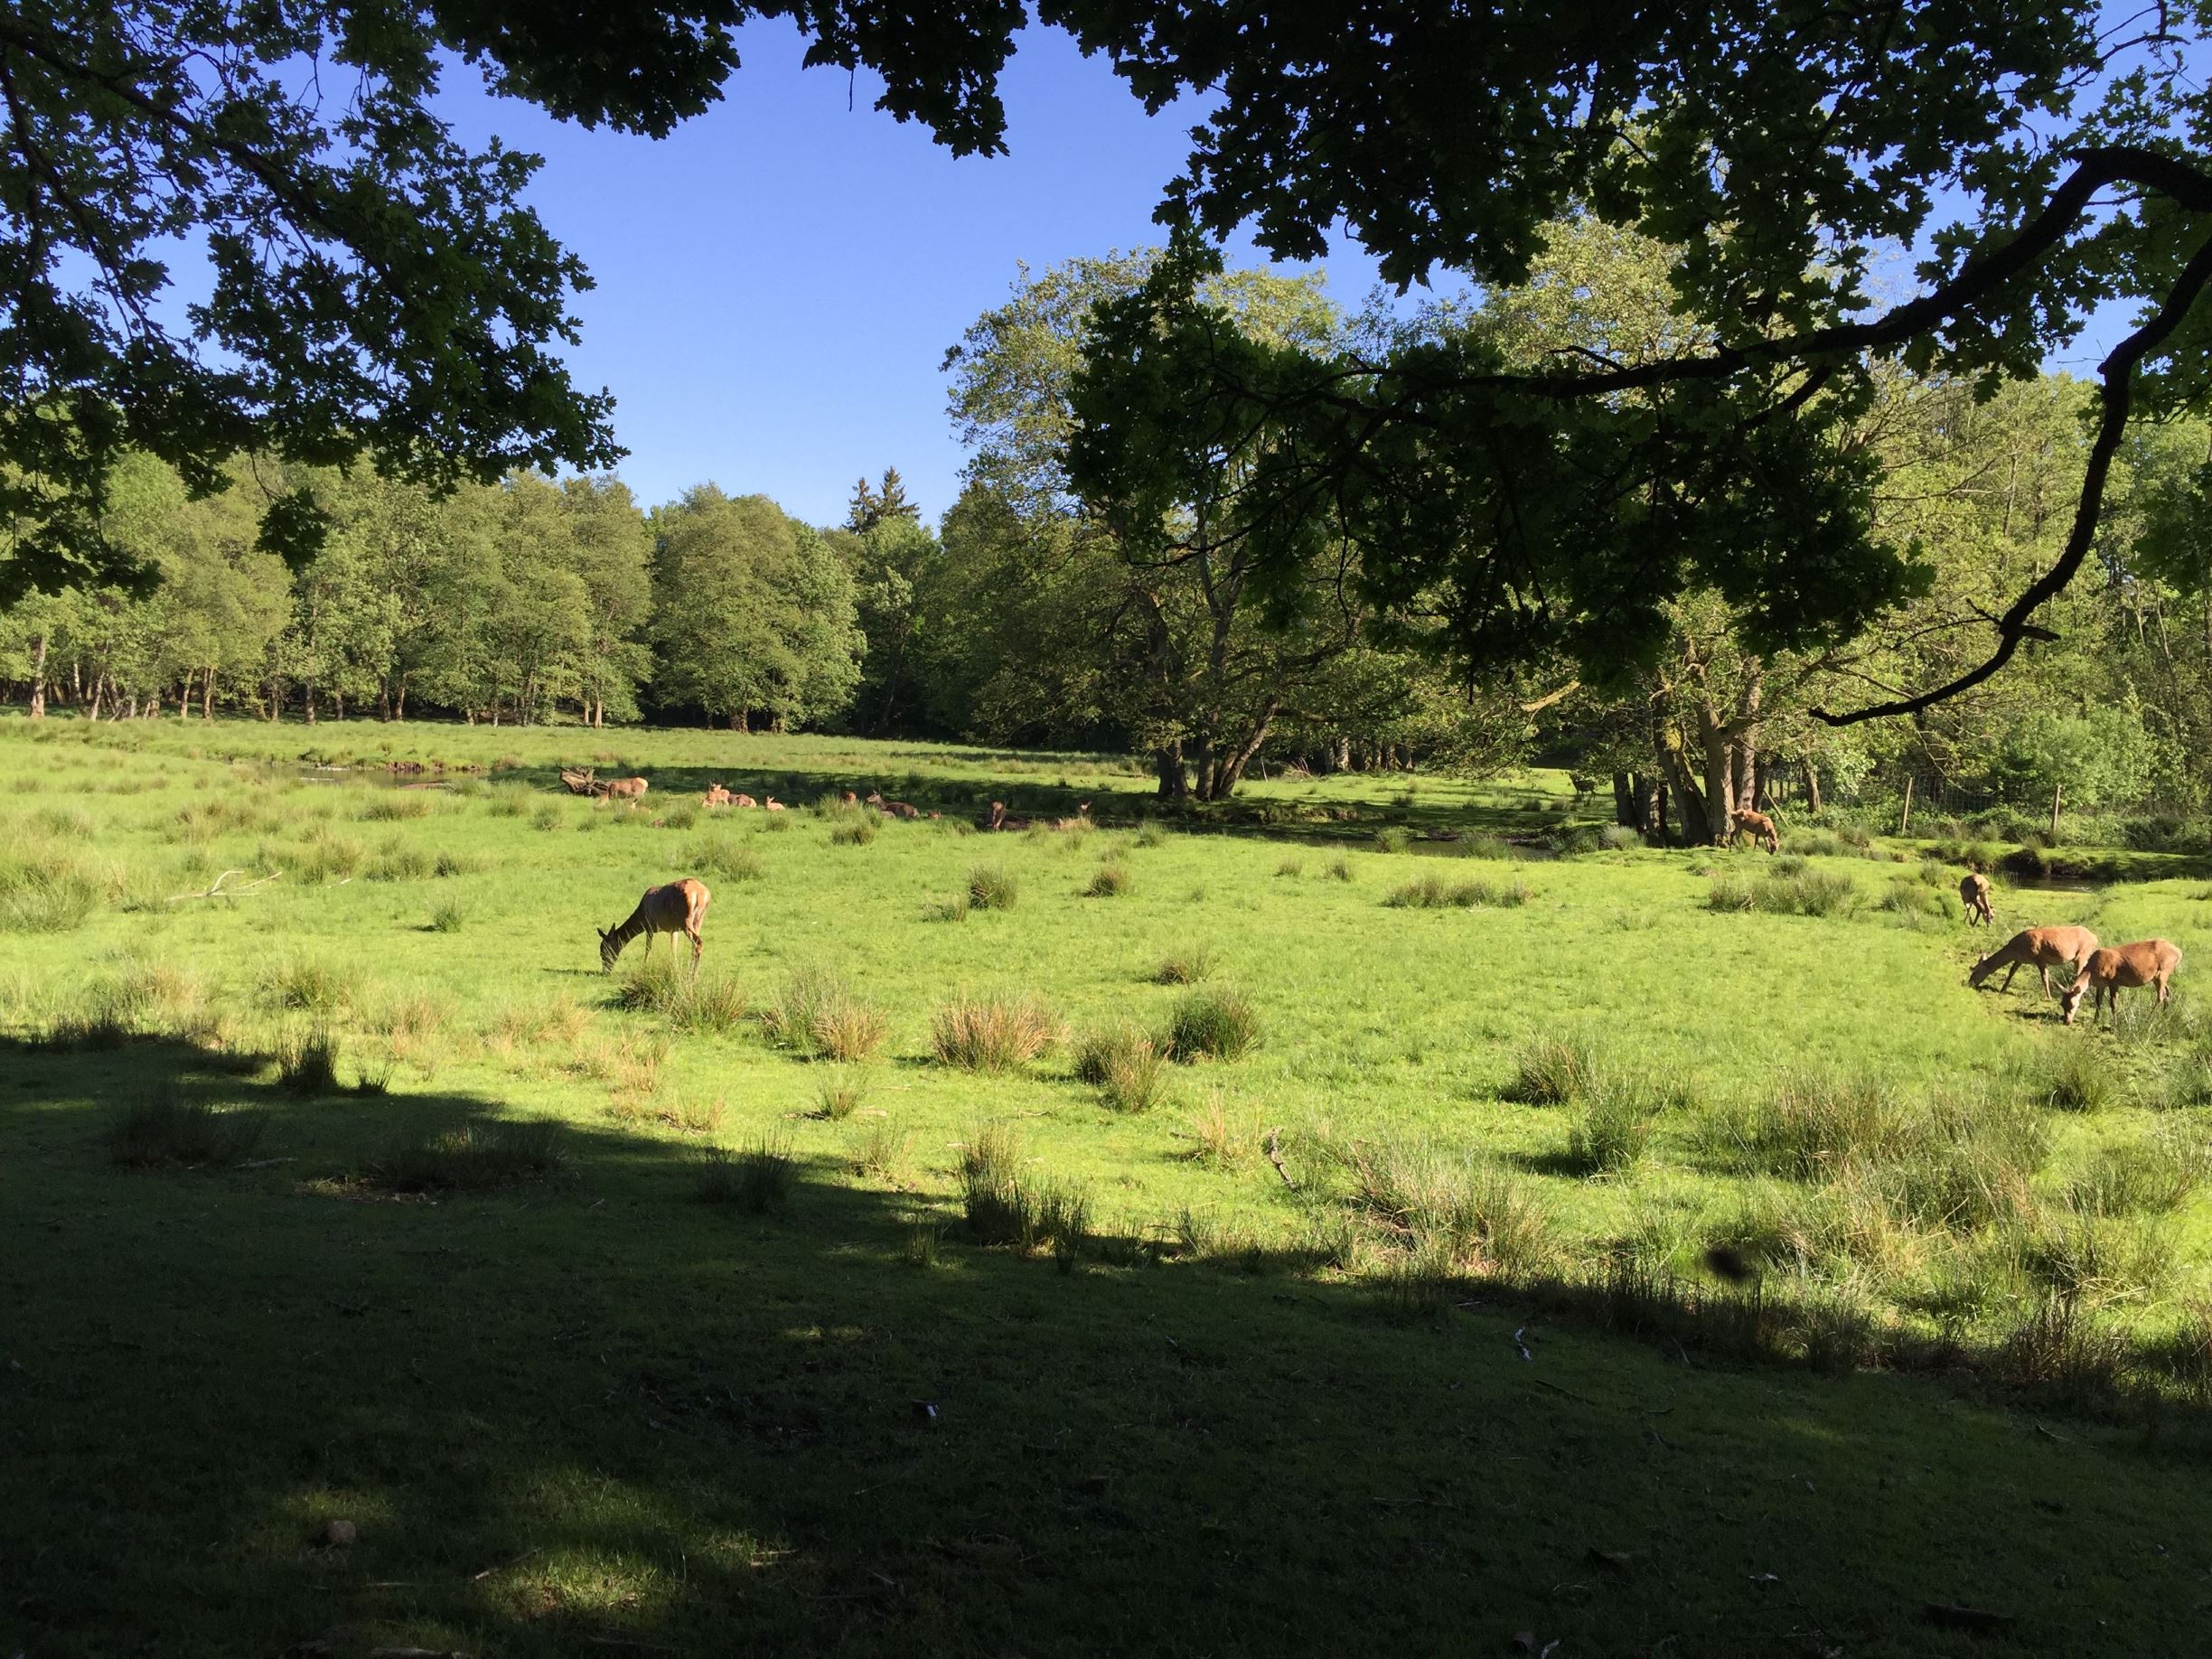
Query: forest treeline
[[1031, 615]]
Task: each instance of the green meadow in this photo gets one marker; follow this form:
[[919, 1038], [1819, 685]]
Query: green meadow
[[1389, 1216]]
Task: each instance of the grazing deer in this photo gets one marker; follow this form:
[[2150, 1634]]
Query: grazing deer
[[2041, 948], [717, 796], [1974, 894], [897, 809], [2107, 972], [1761, 828], [680, 907], [624, 788], [772, 804]]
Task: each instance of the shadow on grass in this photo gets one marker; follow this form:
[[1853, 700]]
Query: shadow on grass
[[592, 1414]]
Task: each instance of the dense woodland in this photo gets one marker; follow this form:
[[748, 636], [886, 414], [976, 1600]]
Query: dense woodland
[[1034, 614]]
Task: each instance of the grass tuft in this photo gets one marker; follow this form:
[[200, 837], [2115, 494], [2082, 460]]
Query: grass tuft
[[991, 1034], [307, 1062], [166, 1128], [756, 1179], [1124, 1064], [990, 887], [1218, 1025], [818, 1015], [1108, 881], [477, 1157]]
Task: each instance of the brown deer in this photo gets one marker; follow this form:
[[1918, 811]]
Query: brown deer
[[2109, 972], [742, 801], [1761, 828], [772, 804], [624, 788], [1974, 894], [680, 907], [717, 796], [2039, 948], [897, 809], [998, 818]]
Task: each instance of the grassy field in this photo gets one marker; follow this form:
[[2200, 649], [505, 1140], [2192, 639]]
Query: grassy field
[[1117, 1237]]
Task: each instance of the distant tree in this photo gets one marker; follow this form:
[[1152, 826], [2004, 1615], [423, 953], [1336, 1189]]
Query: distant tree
[[882, 504], [753, 613]]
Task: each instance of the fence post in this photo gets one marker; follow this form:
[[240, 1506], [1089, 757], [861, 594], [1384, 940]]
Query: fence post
[[1905, 818], [2058, 795]]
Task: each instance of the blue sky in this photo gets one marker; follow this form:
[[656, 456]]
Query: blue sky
[[778, 281]]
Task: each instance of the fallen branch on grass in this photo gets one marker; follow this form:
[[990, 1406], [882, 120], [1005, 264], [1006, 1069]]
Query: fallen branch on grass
[[215, 889]]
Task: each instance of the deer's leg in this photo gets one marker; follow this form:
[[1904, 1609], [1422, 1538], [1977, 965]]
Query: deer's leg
[[2012, 969], [699, 946]]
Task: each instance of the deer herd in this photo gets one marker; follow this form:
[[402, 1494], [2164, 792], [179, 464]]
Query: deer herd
[[2099, 973]]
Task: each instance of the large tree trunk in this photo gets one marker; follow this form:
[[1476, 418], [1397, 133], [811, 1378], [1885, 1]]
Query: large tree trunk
[[1812, 786], [38, 678], [207, 694], [737, 723], [1720, 781], [1168, 766], [1651, 807], [1229, 770], [1624, 800]]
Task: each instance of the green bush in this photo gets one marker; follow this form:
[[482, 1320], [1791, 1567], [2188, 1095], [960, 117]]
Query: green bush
[[1108, 881], [991, 888], [1219, 1023], [1124, 1064]]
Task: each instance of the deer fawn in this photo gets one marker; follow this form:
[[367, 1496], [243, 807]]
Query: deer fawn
[[2039, 948], [680, 907], [2107, 972]]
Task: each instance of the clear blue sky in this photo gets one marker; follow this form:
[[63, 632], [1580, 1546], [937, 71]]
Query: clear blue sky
[[778, 281]]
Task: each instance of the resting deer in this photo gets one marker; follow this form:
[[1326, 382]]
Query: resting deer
[[680, 907], [1757, 826], [897, 809], [2041, 948], [772, 804], [625, 788], [999, 821], [1974, 894], [742, 801], [2109, 972], [717, 796]]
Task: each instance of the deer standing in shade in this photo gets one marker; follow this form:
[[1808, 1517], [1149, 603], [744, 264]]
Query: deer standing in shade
[[680, 907]]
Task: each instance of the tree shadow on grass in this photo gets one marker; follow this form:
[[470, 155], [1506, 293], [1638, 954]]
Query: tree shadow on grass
[[594, 1413]]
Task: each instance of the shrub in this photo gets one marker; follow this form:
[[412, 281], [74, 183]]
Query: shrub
[[732, 860], [820, 1015], [448, 917], [757, 1178], [1109, 881], [856, 831], [842, 1093], [1340, 870], [1124, 1064], [1186, 969], [1478, 844], [991, 888], [1219, 1023], [991, 1034], [307, 1062], [1289, 870], [1619, 837], [167, 1129], [474, 1158], [1392, 839], [1552, 1070]]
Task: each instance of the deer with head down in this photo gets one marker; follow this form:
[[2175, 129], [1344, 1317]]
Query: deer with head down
[[2039, 948], [680, 907], [1757, 826], [1974, 894], [2117, 968]]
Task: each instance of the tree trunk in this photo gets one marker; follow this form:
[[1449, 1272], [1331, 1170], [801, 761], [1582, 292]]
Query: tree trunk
[[207, 694], [1812, 786], [1651, 807], [1229, 770], [94, 714], [1719, 781], [399, 701], [1624, 799], [1168, 766], [38, 678], [308, 697], [737, 722]]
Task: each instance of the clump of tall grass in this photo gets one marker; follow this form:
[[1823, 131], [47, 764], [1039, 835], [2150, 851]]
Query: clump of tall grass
[[1480, 844], [991, 1034], [756, 1178], [705, 1004], [842, 1093], [308, 986], [448, 865], [307, 1062], [721, 855], [952, 909], [167, 1128], [1785, 892], [1124, 1064], [326, 856], [1005, 1203], [2077, 1078], [818, 1014], [1340, 870], [46, 893], [859, 831], [1619, 837], [399, 861], [1150, 835], [1611, 1128], [1432, 893], [448, 917], [2150, 1177], [1552, 1070], [1808, 1125], [1186, 967], [1428, 1200], [991, 888], [878, 1148], [475, 1158], [1392, 839], [386, 806], [1108, 881], [1219, 1024]]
